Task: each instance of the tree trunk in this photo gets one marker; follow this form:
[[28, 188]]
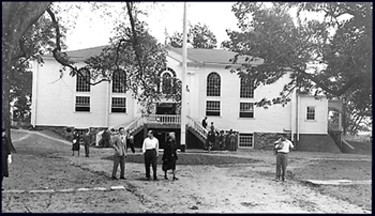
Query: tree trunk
[[17, 17]]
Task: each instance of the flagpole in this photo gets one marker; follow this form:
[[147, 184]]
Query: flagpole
[[184, 84]]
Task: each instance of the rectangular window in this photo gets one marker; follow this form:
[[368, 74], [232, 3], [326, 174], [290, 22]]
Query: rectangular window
[[310, 113], [246, 140], [82, 104], [119, 104], [246, 110], [213, 108], [247, 88]]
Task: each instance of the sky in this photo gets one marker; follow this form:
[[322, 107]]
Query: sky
[[92, 30]]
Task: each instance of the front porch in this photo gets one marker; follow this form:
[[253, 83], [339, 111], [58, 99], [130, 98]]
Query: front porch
[[161, 124]]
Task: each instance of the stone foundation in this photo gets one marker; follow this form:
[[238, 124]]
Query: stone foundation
[[264, 141]]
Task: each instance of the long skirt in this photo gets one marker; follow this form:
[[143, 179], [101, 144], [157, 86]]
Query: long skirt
[[75, 147], [170, 164]]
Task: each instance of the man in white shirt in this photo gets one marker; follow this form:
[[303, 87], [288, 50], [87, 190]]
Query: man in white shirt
[[150, 149], [282, 147]]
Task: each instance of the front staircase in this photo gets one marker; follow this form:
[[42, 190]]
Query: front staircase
[[166, 121], [197, 129]]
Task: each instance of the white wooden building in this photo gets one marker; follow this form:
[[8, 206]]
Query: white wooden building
[[213, 92]]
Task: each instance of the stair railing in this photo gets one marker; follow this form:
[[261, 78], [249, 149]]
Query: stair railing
[[134, 125], [336, 136], [197, 126]]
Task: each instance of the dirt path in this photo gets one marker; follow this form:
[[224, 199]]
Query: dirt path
[[43, 163]]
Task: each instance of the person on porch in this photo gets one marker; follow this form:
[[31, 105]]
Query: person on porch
[[204, 122]]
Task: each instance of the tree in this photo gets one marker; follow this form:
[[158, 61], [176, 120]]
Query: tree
[[134, 53], [37, 41], [199, 36], [18, 18], [176, 40], [140, 69], [331, 55]]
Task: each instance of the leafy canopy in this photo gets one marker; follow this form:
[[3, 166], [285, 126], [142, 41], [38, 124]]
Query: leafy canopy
[[330, 53], [199, 36]]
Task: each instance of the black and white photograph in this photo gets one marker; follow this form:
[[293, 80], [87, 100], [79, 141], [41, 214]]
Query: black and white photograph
[[187, 107]]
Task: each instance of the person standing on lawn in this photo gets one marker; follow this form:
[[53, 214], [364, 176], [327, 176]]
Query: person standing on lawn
[[87, 142], [6, 156], [211, 139], [76, 141], [170, 156], [282, 147], [119, 144], [221, 140], [129, 140], [232, 140], [150, 149], [106, 137]]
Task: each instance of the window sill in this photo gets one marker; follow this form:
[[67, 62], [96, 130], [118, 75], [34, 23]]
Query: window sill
[[252, 147], [245, 118], [310, 120]]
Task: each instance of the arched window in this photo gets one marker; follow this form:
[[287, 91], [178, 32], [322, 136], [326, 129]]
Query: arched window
[[119, 81], [247, 88], [167, 79], [82, 84], [213, 84], [166, 83]]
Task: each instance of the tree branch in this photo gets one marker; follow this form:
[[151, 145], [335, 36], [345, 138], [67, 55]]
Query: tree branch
[[61, 57], [136, 46], [338, 92]]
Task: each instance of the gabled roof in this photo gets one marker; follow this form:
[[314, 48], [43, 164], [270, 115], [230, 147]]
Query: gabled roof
[[218, 56], [85, 53]]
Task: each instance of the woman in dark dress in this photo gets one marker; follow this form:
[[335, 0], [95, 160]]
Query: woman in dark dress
[[76, 141], [170, 156]]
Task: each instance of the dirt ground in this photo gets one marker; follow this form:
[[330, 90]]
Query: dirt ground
[[226, 182]]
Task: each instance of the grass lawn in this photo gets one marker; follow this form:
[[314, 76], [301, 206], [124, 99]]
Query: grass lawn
[[350, 170]]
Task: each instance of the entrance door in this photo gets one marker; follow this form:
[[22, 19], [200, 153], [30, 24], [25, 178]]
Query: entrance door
[[166, 109]]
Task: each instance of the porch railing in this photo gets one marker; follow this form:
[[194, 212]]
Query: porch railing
[[162, 119], [144, 119]]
